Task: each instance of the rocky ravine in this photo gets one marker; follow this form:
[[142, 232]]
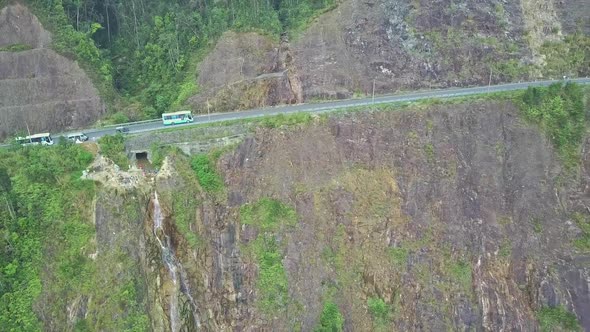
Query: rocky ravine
[[39, 87]]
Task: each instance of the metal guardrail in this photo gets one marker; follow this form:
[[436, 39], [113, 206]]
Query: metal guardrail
[[129, 123]]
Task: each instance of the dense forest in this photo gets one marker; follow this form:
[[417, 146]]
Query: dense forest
[[148, 49]]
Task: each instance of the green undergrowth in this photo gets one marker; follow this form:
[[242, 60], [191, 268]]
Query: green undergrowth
[[158, 153], [380, 311], [399, 256], [331, 319], [559, 110], [47, 237], [268, 215], [570, 56], [280, 120], [15, 48], [557, 319], [460, 272], [44, 231], [271, 218], [186, 200], [583, 241], [204, 167], [113, 147]]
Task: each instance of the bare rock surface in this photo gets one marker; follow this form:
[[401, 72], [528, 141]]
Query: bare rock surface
[[245, 70], [19, 26], [466, 192], [39, 87]]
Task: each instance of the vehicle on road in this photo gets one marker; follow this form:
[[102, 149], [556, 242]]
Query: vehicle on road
[[77, 137], [122, 130], [177, 117], [43, 139]]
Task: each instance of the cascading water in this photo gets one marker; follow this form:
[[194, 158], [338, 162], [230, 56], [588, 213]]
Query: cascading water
[[174, 267]]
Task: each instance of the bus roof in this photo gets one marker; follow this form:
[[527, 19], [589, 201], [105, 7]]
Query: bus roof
[[76, 134], [38, 135], [177, 113]]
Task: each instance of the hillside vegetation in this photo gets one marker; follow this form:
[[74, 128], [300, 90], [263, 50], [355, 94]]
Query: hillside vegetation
[[147, 50]]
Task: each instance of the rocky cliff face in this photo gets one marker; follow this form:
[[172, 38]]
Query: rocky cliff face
[[453, 216], [39, 87], [467, 194], [458, 217]]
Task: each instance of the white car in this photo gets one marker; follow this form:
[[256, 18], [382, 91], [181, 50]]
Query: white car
[[78, 137]]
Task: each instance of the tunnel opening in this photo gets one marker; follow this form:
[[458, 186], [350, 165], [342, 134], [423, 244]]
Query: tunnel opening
[[141, 156], [142, 160]]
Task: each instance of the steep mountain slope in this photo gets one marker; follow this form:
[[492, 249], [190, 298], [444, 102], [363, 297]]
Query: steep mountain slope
[[401, 45], [445, 216], [39, 87]]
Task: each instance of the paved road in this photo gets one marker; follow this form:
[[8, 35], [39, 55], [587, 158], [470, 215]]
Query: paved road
[[152, 125]]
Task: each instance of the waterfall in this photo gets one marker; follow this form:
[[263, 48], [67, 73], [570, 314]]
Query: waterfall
[[174, 267]]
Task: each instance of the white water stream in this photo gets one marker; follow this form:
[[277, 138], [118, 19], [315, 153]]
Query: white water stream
[[174, 267]]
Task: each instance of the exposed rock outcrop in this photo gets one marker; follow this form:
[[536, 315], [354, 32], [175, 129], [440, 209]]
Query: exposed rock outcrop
[[19, 26], [245, 70], [39, 87]]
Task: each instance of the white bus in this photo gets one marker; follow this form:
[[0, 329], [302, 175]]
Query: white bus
[[177, 117], [43, 139]]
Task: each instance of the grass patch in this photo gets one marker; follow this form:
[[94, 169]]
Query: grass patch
[[557, 319], [331, 319], [429, 152], [269, 216], [204, 167], [15, 48], [559, 110], [399, 256], [460, 272], [570, 56], [537, 225], [379, 310], [505, 249], [272, 283], [184, 205], [583, 241], [280, 120], [505, 220]]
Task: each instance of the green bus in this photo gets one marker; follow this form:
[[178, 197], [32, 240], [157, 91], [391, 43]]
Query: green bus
[[177, 117]]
